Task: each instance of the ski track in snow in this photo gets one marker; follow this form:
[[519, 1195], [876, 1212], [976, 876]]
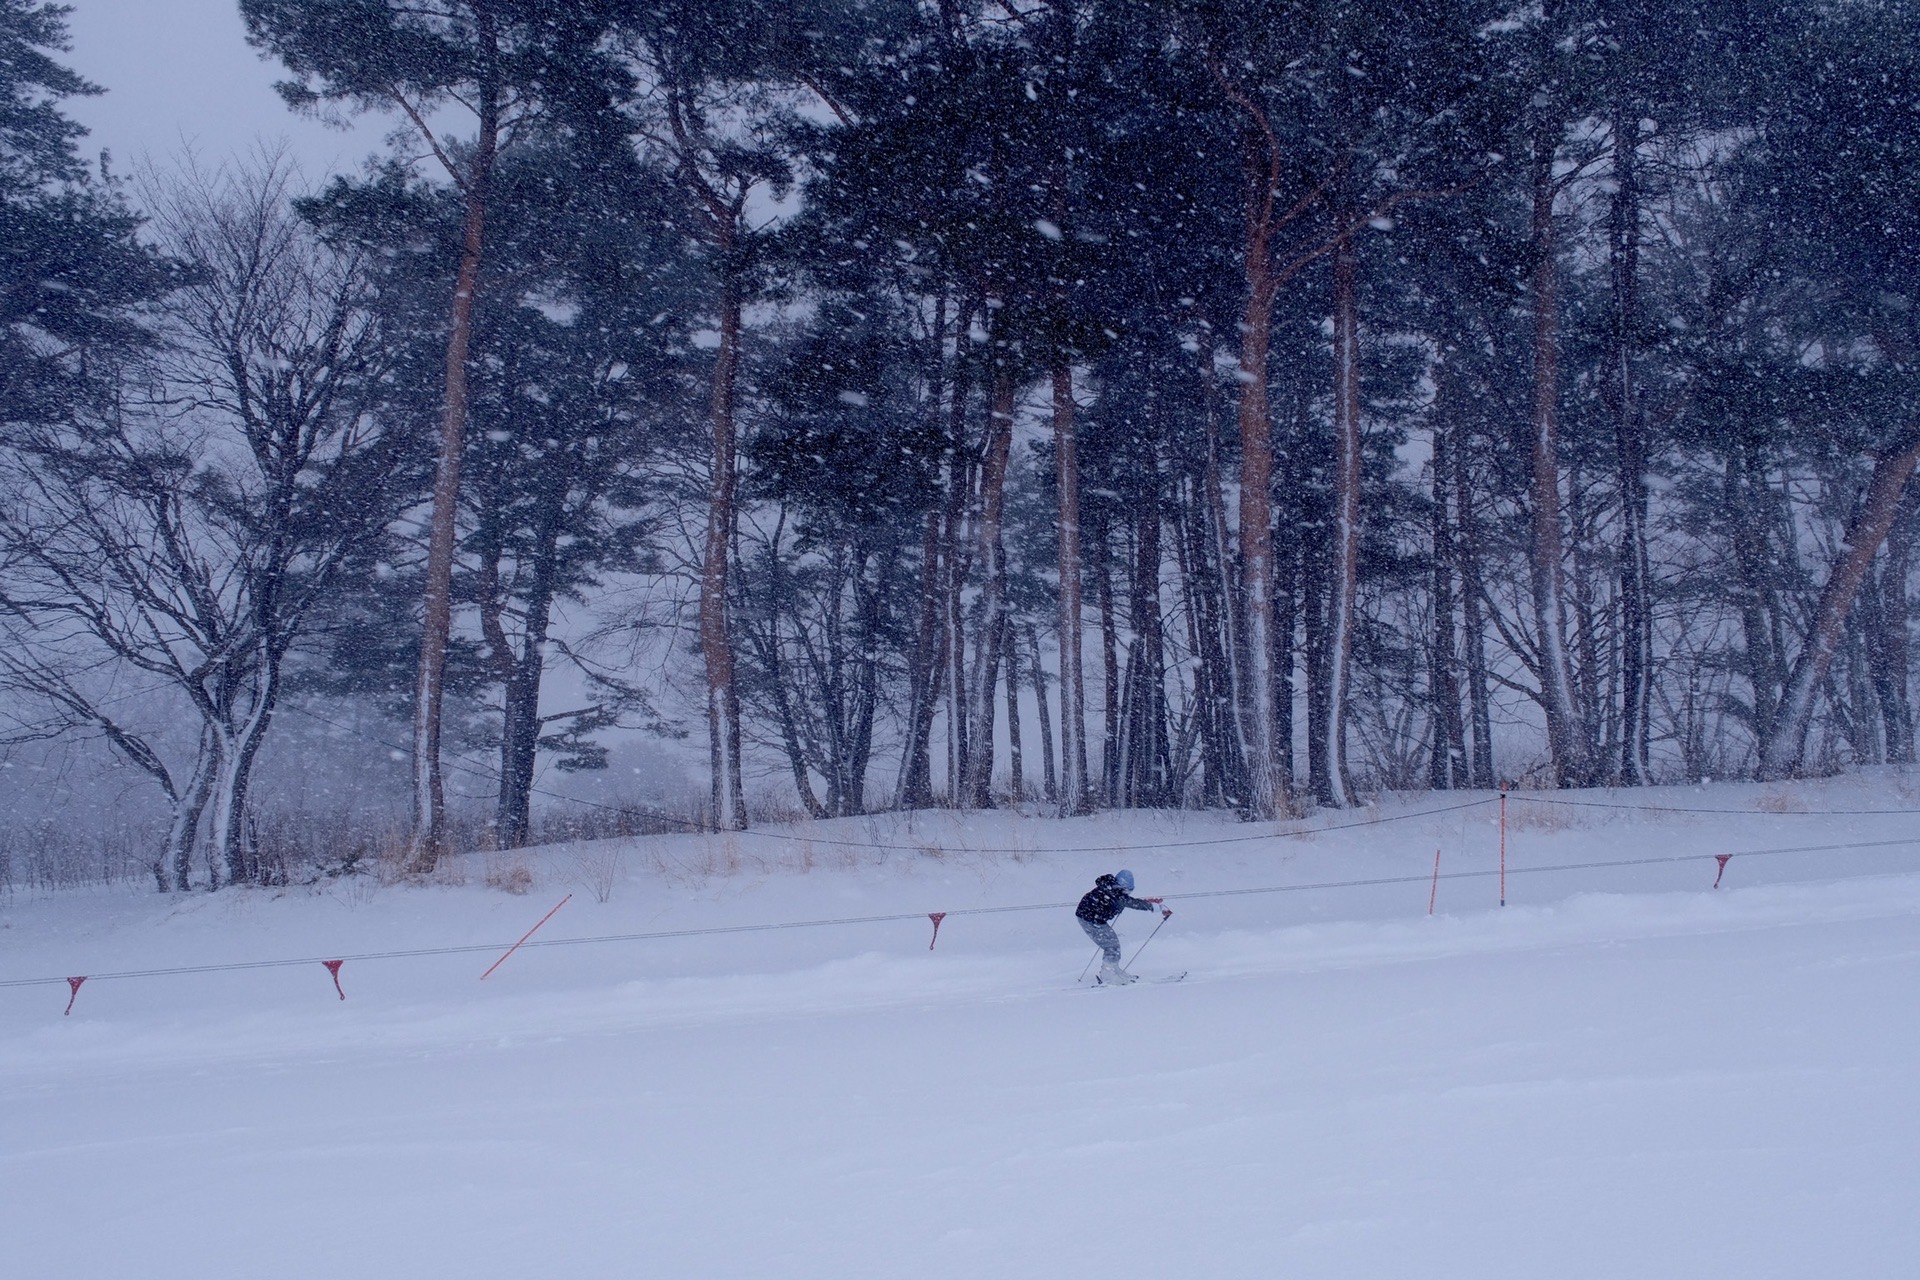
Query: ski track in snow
[[1620, 1074]]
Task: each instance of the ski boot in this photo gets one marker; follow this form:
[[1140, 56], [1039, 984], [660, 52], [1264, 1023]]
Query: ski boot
[[1112, 975]]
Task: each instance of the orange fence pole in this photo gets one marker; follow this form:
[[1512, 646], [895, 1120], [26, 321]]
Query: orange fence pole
[[516, 946]]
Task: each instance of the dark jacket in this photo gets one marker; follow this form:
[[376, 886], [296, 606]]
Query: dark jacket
[[1107, 900]]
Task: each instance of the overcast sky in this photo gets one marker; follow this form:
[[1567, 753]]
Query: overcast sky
[[181, 72]]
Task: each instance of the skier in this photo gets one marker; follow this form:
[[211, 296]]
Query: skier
[[1110, 895]]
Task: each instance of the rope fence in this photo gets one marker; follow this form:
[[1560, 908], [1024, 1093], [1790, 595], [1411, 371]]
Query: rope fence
[[334, 963], [1655, 808]]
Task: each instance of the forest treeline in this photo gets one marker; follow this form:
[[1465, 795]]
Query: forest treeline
[[1268, 400]]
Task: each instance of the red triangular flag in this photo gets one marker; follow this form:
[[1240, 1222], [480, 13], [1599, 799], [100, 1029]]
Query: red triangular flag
[[936, 917], [74, 983], [333, 967]]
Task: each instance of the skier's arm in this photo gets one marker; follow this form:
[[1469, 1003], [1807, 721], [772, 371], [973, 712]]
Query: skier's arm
[[1138, 904]]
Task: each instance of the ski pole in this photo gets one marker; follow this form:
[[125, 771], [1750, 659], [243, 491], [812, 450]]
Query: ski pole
[[1166, 914], [1089, 965]]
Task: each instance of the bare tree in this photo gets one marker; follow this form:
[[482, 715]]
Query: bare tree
[[65, 691], [186, 529]]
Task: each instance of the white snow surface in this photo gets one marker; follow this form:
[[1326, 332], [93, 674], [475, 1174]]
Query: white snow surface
[[1622, 1073]]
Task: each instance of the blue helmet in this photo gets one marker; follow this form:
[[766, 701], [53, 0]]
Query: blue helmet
[[1124, 879]]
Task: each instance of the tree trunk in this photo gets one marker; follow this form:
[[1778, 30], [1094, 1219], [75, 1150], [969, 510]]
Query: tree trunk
[[1630, 448], [728, 795], [1212, 699], [766, 641], [1785, 741], [188, 804], [1764, 661], [1344, 586], [1110, 669], [1286, 609], [1858, 713], [959, 566], [956, 641], [826, 667], [429, 790], [915, 788], [1016, 758], [1473, 626], [1590, 703], [866, 697], [1144, 727], [519, 750], [1315, 558], [1566, 739], [1073, 694], [1893, 649], [1222, 590], [993, 608], [1266, 789], [1447, 761], [1049, 779], [239, 748], [520, 718]]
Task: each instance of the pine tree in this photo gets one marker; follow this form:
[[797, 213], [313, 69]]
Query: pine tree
[[507, 62], [72, 268]]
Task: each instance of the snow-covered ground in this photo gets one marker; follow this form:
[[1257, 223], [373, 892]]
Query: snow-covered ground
[[1623, 1073]]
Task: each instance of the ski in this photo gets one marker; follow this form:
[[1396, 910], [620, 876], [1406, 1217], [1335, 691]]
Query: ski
[[1165, 978]]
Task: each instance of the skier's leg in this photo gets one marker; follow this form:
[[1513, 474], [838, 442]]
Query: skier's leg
[[1105, 938], [1109, 943]]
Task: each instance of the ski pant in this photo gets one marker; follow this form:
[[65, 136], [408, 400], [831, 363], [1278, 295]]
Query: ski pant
[[1103, 937]]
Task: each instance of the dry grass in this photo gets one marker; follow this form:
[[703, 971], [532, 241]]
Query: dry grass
[[600, 866], [710, 857], [619, 820], [698, 860], [508, 872], [1537, 775], [392, 852], [1539, 817], [1780, 802], [50, 855], [356, 891]]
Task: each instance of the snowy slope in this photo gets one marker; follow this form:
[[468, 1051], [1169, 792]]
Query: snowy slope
[[1622, 1073]]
